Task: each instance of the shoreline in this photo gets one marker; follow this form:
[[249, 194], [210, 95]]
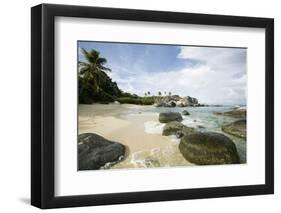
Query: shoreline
[[137, 127], [118, 123]]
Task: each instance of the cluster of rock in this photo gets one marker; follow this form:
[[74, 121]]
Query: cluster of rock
[[176, 101], [198, 147], [201, 148], [96, 152]]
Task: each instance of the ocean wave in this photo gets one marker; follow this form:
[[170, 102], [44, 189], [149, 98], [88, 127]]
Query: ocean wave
[[153, 127], [174, 139], [242, 108], [155, 157], [192, 122]]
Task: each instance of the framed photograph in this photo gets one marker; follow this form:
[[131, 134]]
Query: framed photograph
[[139, 106]]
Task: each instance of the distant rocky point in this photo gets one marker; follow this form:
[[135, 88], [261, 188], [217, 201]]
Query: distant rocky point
[[176, 101]]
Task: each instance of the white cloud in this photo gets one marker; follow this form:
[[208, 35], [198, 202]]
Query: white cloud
[[218, 78]]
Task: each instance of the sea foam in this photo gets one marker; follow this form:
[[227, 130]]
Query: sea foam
[[153, 127], [192, 122]]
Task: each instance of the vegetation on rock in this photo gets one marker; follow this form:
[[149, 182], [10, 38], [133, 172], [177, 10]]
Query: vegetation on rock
[[95, 86]]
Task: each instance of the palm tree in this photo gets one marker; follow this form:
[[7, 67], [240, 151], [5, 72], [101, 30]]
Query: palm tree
[[148, 93], [92, 70], [159, 93]]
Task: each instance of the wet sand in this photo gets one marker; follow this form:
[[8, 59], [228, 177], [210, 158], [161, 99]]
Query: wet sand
[[126, 124]]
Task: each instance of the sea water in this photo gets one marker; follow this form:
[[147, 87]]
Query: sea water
[[202, 119]]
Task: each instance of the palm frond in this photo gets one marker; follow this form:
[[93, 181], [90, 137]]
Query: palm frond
[[82, 63], [101, 61], [86, 54], [103, 68]]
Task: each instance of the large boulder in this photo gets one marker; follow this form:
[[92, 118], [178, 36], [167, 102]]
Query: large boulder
[[165, 117], [95, 152], [208, 148], [176, 128], [237, 128]]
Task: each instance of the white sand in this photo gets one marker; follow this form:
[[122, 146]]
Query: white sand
[[126, 124]]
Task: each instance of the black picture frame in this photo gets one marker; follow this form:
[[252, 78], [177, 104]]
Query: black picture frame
[[43, 102]]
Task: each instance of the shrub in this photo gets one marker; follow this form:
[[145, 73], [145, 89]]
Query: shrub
[[137, 100]]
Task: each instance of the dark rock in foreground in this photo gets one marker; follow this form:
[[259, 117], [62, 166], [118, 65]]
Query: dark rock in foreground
[[95, 152], [185, 112], [237, 128], [165, 117], [208, 148], [176, 128]]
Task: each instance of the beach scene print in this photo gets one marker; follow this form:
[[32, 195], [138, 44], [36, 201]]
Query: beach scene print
[[160, 105]]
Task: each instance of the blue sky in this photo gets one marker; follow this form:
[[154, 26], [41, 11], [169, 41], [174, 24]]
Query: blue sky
[[213, 75]]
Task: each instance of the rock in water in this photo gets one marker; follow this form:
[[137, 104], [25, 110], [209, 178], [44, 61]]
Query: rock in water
[[208, 148], [236, 113], [185, 112], [95, 151], [176, 128], [165, 117], [237, 128]]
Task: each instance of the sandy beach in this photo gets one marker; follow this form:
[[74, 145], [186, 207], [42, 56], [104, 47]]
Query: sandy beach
[[130, 125], [157, 114]]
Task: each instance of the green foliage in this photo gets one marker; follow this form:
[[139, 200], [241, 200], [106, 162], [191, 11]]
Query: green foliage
[[136, 100], [127, 94], [96, 86], [103, 97]]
